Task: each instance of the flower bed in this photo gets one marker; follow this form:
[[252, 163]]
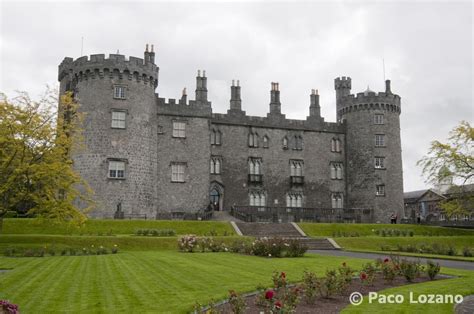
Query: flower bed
[[328, 294], [266, 247], [52, 251]]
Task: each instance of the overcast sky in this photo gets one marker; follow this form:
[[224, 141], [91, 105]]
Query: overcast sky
[[427, 48]]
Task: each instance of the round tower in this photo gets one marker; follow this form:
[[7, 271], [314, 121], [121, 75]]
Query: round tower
[[118, 99], [373, 149]]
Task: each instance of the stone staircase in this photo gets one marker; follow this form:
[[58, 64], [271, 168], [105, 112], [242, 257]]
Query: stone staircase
[[283, 230]]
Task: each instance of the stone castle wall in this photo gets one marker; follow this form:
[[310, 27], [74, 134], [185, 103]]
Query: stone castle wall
[[149, 149]]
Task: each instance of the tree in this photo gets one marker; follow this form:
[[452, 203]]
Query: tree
[[36, 169], [453, 159]]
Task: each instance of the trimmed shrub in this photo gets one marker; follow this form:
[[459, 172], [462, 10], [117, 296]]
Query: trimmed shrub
[[432, 269]]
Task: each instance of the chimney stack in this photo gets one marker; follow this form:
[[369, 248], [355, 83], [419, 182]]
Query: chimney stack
[[275, 105]]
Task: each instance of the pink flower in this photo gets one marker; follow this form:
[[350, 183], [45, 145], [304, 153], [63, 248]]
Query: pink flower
[[269, 294], [278, 304]]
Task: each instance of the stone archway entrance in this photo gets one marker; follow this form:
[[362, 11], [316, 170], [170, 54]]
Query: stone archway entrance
[[216, 195]]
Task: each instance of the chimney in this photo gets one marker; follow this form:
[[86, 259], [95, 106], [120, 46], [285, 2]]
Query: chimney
[[184, 97], [235, 101], [314, 108], [387, 87], [201, 87], [275, 105], [152, 55], [146, 56]]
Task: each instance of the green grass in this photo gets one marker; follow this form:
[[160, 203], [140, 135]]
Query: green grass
[[114, 227], [132, 243], [138, 282], [375, 243], [329, 229], [166, 281]]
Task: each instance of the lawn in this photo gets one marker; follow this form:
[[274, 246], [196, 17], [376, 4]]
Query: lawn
[[168, 281], [114, 227], [165, 281], [162, 281], [331, 229], [373, 244]]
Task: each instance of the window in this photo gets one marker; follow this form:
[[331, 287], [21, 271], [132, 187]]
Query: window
[[294, 199], [337, 200], [118, 119], [257, 198], [379, 140], [336, 170], [216, 137], [255, 170], [119, 92], [255, 165], [380, 190], [265, 142], [285, 143], [296, 168], [177, 172], [253, 139], [379, 162], [298, 142], [216, 164], [378, 119], [116, 169], [179, 129], [336, 145]]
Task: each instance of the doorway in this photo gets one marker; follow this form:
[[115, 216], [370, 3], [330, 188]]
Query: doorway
[[216, 196]]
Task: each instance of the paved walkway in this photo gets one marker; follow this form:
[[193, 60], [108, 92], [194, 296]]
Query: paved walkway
[[442, 262], [466, 306]]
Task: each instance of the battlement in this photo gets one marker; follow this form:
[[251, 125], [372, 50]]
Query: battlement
[[279, 122], [181, 107], [98, 65], [342, 82], [370, 101]]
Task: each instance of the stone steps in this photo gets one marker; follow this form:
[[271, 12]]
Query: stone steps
[[282, 230], [260, 230]]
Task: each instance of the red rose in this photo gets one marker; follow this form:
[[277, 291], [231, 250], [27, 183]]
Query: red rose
[[386, 260], [278, 305], [363, 276], [283, 275], [269, 294]]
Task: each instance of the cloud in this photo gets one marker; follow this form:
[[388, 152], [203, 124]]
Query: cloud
[[427, 48]]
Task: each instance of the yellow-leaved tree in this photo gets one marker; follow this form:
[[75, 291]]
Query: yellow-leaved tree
[[36, 170], [455, 160]]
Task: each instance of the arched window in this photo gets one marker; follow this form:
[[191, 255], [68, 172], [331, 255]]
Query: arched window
[[253, 139], [337, 200], [336, 145], [265, 141], [257, 198], [285, 143], [298, 142]]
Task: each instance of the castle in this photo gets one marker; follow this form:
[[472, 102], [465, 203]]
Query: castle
[[148, 155]]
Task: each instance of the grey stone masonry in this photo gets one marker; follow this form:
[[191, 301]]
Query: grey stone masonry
[[146, 154]]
